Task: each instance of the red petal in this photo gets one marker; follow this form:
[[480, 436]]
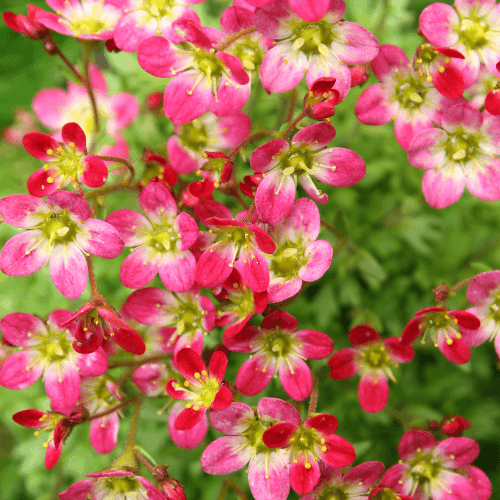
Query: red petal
[[362, 334], [189, 362], [278, 435], [324, 423], [188, 418], [29, 418], [466, 319], [72, 132], [342, 364], [411, 331], [223, 398], [492, 102], [279, 319], [37, 144], [217, 366], [95, 172]]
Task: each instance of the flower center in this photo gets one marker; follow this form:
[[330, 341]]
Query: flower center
[[203, 391], [155, 9], [254, 435], [248, 52], [67, 161], [188, 318], [126, 488], [472, 32], [194, 136], [163, 238], [461, 146], [208, 63], [83, 115], [58, 227], [375, 356], [440, 322], [312, 38], [333, 493], [409, 91], [54, 345], [278, 343], [288, 259], [425, 468], [90, 19]]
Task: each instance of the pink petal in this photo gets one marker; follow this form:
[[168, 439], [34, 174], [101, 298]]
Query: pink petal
[[190, 363], [184, 99], [479, 480], [456, 451], [373, 392], [104, 433], [406, 128], [457, 351], [354, 44], [310, 10], [313, 344], [279, 319], [343, 364], [158, 57], [19, 328], [274, 409], [68, 270], [93, 364], [426, 150], [275, 196], [281, 289], [30, 418], [296, 378], [131, 226], [372, 107], [304, 218], [178, 271], [269, 480], [100, 238], [156, 200], [314, 137], [482, 288], [399, 353], [139, 268], [267, 156], [263, 241], [214, 267], [52, 455], [49, 106], [413, 440], [484, 183], [443, 188], [303, 479], [190, 438], [183, 161], [144, 305], [132, 29], [20, 370], [350, 167], [362, 477], [22, 210], [62, 384], [38, 184], [255, 374], [217, 366], [188, 418], [234, 419], [389, 58], [222, 399], [319, 257], [225, 455], [279, 435], [282, 69], [323, 423], [437, 22], [186, 226], [73, 202], [254, 269], [124, 108]]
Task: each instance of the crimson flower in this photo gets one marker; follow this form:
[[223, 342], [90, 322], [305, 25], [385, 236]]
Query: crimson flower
[[27, 25], [373, 358], [319, 103], [65, 162], [203, 389]]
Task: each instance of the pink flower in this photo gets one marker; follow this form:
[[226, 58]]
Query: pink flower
[[238, 245], [160, 241], [449, 329], [142, 20], [268, 468], [356, 482], [451, 426], [58, 424], [46, 350], [99, 394], [84, 19], [27, 25], [299, 255], [65, 162], [239, 304], [278, 349], [471, 27], [187, 149], [190, 315], [54, 107], [431, 470], [319, 103], [306, 9], [203, 78], [203, 389], [60, 231], [216, 170], [308, 444], [403, 95], [462, 152], [373, 358], [316, 47], [283, 163], [484, 293], [112, 484]]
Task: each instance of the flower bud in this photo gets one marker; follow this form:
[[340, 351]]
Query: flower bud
[[170, 487], [27, 25], [359, 75], [154, 102], [319, 103]]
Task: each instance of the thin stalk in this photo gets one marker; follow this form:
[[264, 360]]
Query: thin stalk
[[123, 161], [247, 140], [231, 39], [292, 125], [112, 409], [127, 458], [87, 47]]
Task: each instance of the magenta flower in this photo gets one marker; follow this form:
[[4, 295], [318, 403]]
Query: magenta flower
[[373, 358], [306, 9], [311, 46], [448, 329], [238, 245], [319, 103], [187, 148], [471, 27], [278, 349], [484, 294], [203, 78], [54, 107], [159, 241], [462, 152], [404, 95], [144, 19], [299, 255], [65, 162], [308, 444], [99, 394], [356, 482], [239, 304], [112, 484], [84, 19], [46, 350], [60, 231], [426, 468], [203, 389], [191, 315], [283, 163], [268, 468]]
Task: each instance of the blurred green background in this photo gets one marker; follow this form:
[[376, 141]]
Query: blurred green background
[[398, 249]]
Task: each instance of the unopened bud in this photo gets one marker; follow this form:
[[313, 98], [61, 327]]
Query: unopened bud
[[319, 103]]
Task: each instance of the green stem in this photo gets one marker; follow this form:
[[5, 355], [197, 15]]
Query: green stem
[[127, 458], [87, 49], [292, 125]]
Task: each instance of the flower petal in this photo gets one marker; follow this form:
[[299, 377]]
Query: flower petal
[[68, 270], [225, 455]]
